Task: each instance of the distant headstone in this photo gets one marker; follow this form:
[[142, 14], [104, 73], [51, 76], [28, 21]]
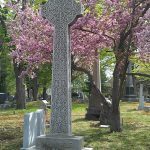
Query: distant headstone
[[4, 103], [3, 98], [61, 13], [147, 108], [48, 91], [129, 86], [141, 98], [45, 104]]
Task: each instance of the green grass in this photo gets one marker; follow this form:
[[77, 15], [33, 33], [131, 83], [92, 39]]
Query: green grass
[[135, 134]]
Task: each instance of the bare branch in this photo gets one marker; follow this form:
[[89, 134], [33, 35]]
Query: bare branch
[[139, 74]]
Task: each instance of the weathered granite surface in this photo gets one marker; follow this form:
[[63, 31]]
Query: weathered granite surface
[[61, 13]]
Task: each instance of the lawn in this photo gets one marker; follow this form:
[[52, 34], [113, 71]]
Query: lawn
[[135, 134]]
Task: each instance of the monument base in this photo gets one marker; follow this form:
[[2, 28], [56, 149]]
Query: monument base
[[59, 142]]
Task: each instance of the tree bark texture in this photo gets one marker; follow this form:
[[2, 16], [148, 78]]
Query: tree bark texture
[[20, 87], [118, 82]]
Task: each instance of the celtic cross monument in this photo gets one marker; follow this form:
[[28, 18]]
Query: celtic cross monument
[[61, 13]]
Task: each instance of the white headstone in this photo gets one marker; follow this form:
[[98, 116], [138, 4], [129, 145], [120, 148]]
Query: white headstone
[[34, 125], [40, 122], [29, 130]]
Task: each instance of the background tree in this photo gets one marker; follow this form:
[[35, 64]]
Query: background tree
[[124, 18], [107, 60], [3, 52], [45, 77]]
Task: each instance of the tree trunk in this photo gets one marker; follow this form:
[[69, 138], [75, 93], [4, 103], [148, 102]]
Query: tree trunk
[[115, 113], [3, 82], [29, 94], [35, 88], [44, 93], [20, 88], [118, 81], [115, 124]]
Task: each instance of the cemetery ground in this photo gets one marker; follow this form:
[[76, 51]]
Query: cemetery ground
[[135, 134]]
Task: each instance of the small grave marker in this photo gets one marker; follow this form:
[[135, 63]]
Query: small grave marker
[[141, 98], [34, 125]]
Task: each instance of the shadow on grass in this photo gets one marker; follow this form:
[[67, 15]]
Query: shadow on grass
[[93, 134], [134, 136], [79, 120], [132, 110], [132, 126]]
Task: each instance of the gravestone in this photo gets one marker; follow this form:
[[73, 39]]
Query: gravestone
[[40, 122], [4, 103], [61, 13], [34, 125], [141, 98], [129, 86], [3, 98], [45, 104]]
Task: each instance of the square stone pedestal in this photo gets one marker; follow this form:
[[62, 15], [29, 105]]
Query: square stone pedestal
[[57, 142]]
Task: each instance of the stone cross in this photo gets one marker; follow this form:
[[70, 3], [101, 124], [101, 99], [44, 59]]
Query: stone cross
[[61, 13]]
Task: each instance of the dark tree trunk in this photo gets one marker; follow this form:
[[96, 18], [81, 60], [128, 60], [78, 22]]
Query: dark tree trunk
[[118, 81], [115, 114], [3, 81], [20, 88], [29, 94], [44, 93], [35, 88]]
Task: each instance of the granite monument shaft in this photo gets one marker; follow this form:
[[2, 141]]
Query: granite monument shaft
[[61, 13]]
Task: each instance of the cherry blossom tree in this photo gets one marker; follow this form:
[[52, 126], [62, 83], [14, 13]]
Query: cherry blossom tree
[[143, 37], [121, 25]]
